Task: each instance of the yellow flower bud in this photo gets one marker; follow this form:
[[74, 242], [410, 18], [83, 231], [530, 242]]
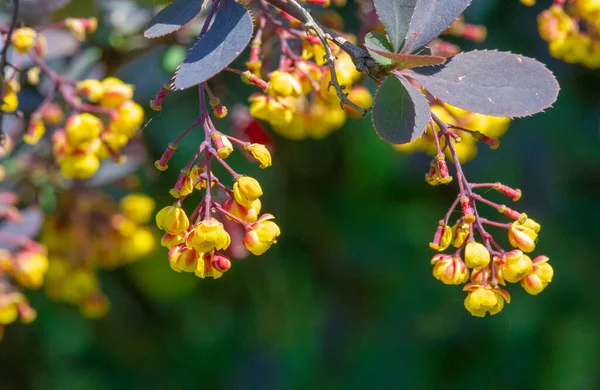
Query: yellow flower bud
[[223, 145], [260, 153], [112, 143], [82, 128], [138, 207], [79, 166], [442, 238], [476, 255], [482, 300], [116, 92], [172, 219], [23, 39], [208, 235], [522, 237], [264, 233], [516, 266], [540, 276], [92, 89], [183, 187], [449, 269], [205, 267], [130, 117], [246, 190]]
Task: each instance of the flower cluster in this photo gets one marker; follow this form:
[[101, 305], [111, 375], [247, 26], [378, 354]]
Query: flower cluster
[[467, 127], [482, 265], [90, 233], [299, 100], [197, 243], [103, 118], [572, 31]]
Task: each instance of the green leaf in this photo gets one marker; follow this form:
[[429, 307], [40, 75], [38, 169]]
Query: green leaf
[[377, 41], [401, 112], [395, 16], [406, 61]]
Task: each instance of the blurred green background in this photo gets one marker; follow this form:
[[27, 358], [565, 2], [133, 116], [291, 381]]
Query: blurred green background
[[346, 298]]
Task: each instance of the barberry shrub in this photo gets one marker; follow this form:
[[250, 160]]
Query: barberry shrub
[[308, 75]]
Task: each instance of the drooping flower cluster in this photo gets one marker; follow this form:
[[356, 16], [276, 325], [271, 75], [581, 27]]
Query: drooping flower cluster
[[298, 100], [198, 243], [477, 260], [104, 116], [91, 233], [572, 30], [468, 128]]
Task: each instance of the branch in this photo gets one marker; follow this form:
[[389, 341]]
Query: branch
[[362, 60], [3, 63]]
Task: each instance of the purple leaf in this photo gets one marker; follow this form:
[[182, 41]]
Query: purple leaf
[[401, 112], [32, 9], [430, 19], [30, 226], [172, 18], [405, 61], [491, 83], [395, 16], [228, 36]]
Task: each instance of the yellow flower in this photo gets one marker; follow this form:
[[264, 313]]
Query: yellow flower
[[10, 101], [92, 89], [183, 187], [260, 153], [78, 166], [246, 214], [130, 117], [8, 313], [35, 132], [184, 258], [522, 237], [170, 240], [112, 142], [138, 207], [82, 128], [23, 39], [449, 269], [116, 92], [460, 232], [276, 111], [516, 266], [205, 267], [30, 269], [172, 219], [208, 235], [541, 274], [246, 190], [283, 84], [360, 96], [476, 255], [140, 244], [263, 234], [442, 239], [481, 300]]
